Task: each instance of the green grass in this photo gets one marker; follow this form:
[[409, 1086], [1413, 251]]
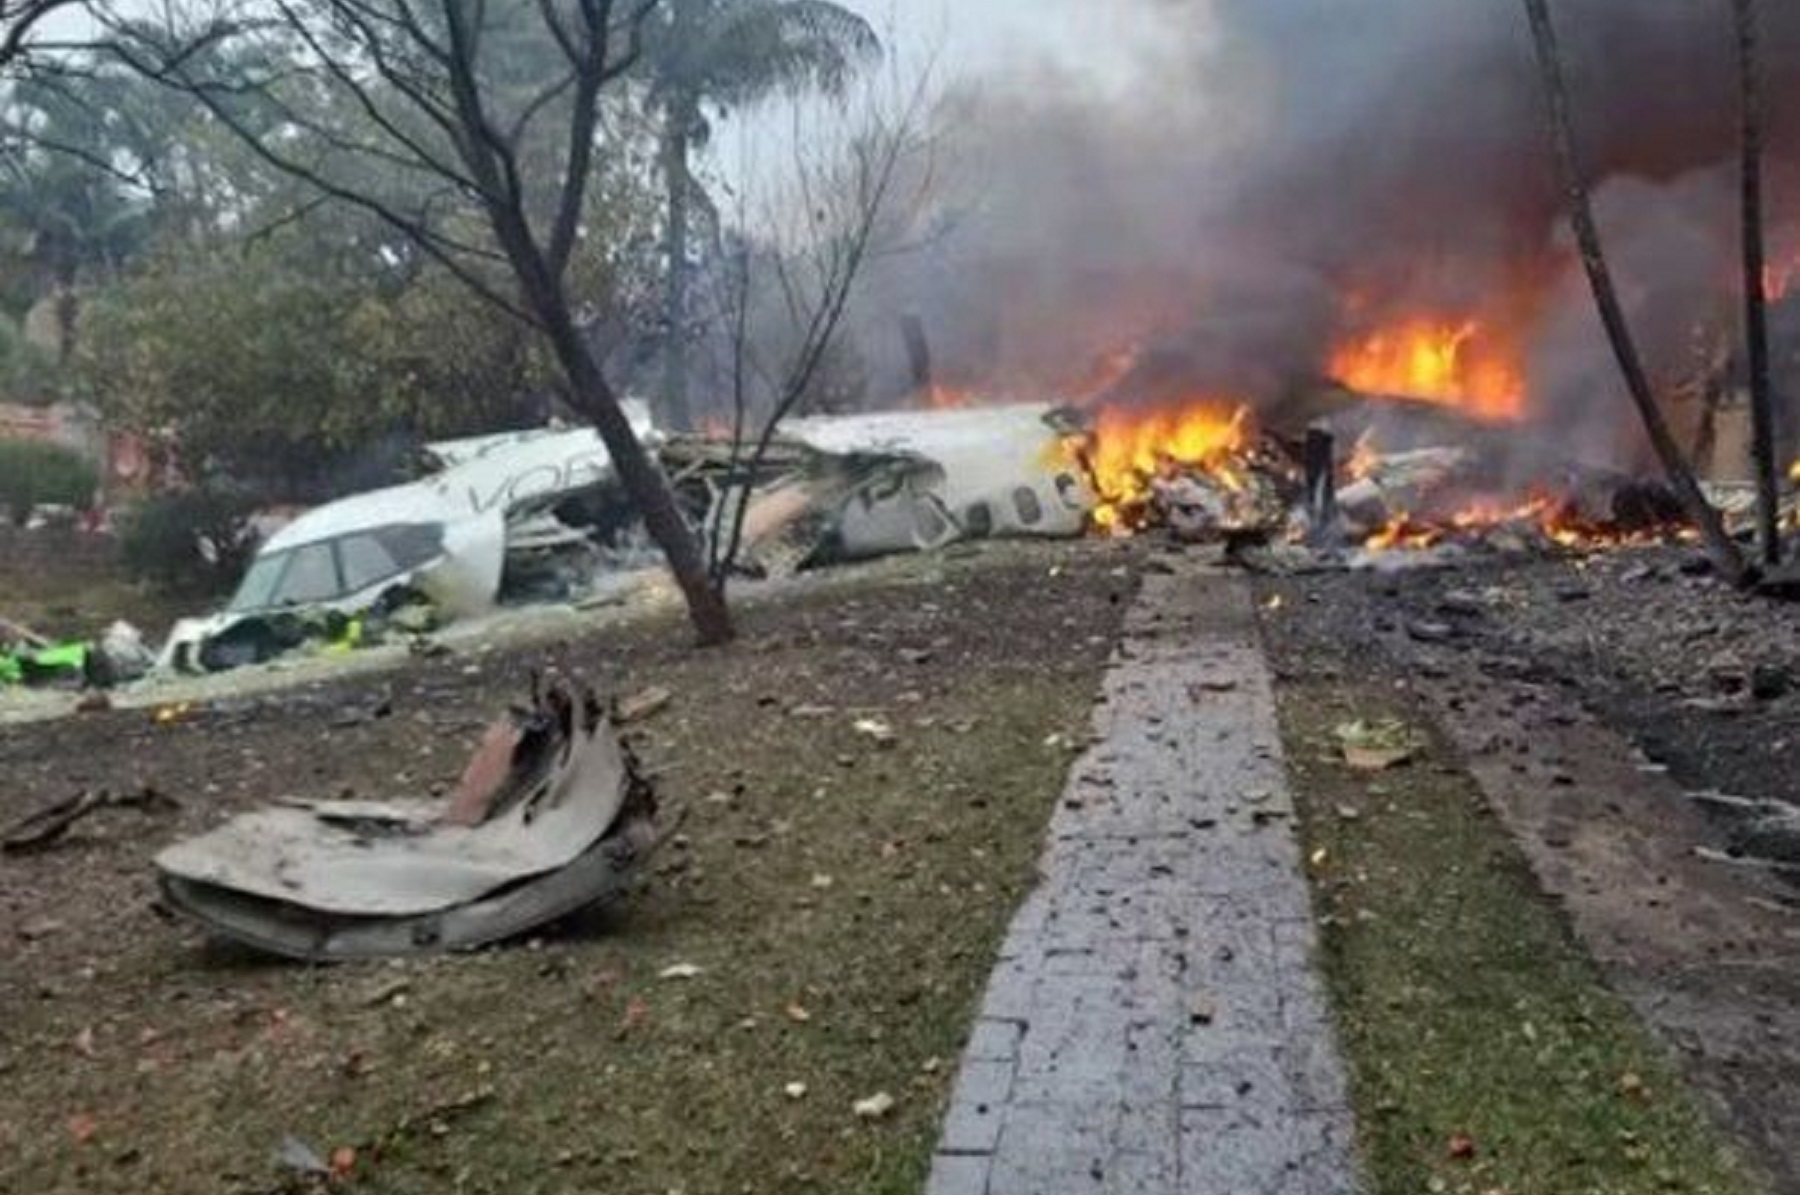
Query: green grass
[[1467, 1009], [843, 899]]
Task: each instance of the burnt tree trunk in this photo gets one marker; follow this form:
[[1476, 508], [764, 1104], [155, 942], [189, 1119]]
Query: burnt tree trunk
[[1719, 546], [1756, 307]]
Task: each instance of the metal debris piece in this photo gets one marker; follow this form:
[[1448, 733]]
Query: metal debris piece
[[564, 824], [48, 825]]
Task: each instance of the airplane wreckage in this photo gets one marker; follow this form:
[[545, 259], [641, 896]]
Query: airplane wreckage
[[539, 515], [551, 816]]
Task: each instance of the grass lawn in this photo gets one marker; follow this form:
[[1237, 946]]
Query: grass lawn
[[842, 900], [1488, 1056]]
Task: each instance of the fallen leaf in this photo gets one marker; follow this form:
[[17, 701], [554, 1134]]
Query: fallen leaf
[[642, 706], [876, 729], [343, 1161], [1377, 746], [680, 971], [82, 1127], [1376, 759], [798, 1014], [636, 1013], [875, 1107], [1462, 1147], [822, 881], [84, 1043]]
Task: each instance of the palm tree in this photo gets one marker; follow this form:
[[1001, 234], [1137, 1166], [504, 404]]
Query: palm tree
[[1756, 310], [702, 59], [1719, 545]]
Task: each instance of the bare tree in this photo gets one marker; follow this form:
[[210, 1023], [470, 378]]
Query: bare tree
[[849, 199], [19, 19], [471, 126], [1756, 307], [1719, 545]]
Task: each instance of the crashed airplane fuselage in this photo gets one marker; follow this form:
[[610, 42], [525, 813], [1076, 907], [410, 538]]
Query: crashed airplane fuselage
[[849, 488], [445, 539]]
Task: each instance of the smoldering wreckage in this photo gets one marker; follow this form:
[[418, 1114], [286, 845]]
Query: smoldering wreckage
[[552, 813]]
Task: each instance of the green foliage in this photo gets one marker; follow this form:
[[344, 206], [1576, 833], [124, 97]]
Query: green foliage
[[273, 364], [733, 52], [198, 541], [34, 474], [27, 373]]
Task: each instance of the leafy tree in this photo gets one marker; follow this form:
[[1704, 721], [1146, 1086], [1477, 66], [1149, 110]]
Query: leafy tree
[[492, 154], [278, 363], [27, 373], [65, 217], [701, 59], [196, 541], [33, 474]]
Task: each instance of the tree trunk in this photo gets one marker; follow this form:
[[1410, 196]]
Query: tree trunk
[[643, 480], [1719, 546], [1756, 309], [676, 147]]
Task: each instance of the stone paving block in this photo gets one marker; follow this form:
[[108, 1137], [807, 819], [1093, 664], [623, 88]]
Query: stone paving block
[[959, 1174], [1316, 1077], [1012, 989], [977, 1108], [1150, 1172], [1052, 1150], [994, 1041]]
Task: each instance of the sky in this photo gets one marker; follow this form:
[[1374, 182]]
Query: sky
[[996, 41]]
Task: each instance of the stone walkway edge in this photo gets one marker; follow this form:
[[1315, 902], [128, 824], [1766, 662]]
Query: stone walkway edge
[[1155, 1023]]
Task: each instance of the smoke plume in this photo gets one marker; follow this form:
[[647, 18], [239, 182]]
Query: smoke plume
[[1283, 173]]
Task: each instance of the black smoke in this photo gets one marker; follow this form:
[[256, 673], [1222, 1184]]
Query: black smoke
[[1275, 158]]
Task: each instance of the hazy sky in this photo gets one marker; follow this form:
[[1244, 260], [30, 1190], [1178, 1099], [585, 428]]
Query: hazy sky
[[992, 40]]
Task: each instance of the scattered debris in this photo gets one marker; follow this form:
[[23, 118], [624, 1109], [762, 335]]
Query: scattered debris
[[1379, 746], [680, 971], [875, 1107], [642, 706], [567, 826], [877, 730], [48, 825], [1203, 1010], [795, 1091], [296, 1156]]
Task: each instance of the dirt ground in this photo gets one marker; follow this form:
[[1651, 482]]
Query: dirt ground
[[842, 900], [1590, 700]]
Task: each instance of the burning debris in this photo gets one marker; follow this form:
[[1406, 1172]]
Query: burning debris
[[551, 816]]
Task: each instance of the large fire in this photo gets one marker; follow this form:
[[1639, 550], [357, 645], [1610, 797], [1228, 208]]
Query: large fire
[[1129, 449], [1459, 364]]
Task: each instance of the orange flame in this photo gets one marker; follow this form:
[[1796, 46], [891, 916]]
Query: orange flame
[[1130, 448], [1553, 518], [1778, 280], [1441, 361], [940, 397]]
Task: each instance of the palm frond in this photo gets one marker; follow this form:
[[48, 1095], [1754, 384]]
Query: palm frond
[[749, 49]]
